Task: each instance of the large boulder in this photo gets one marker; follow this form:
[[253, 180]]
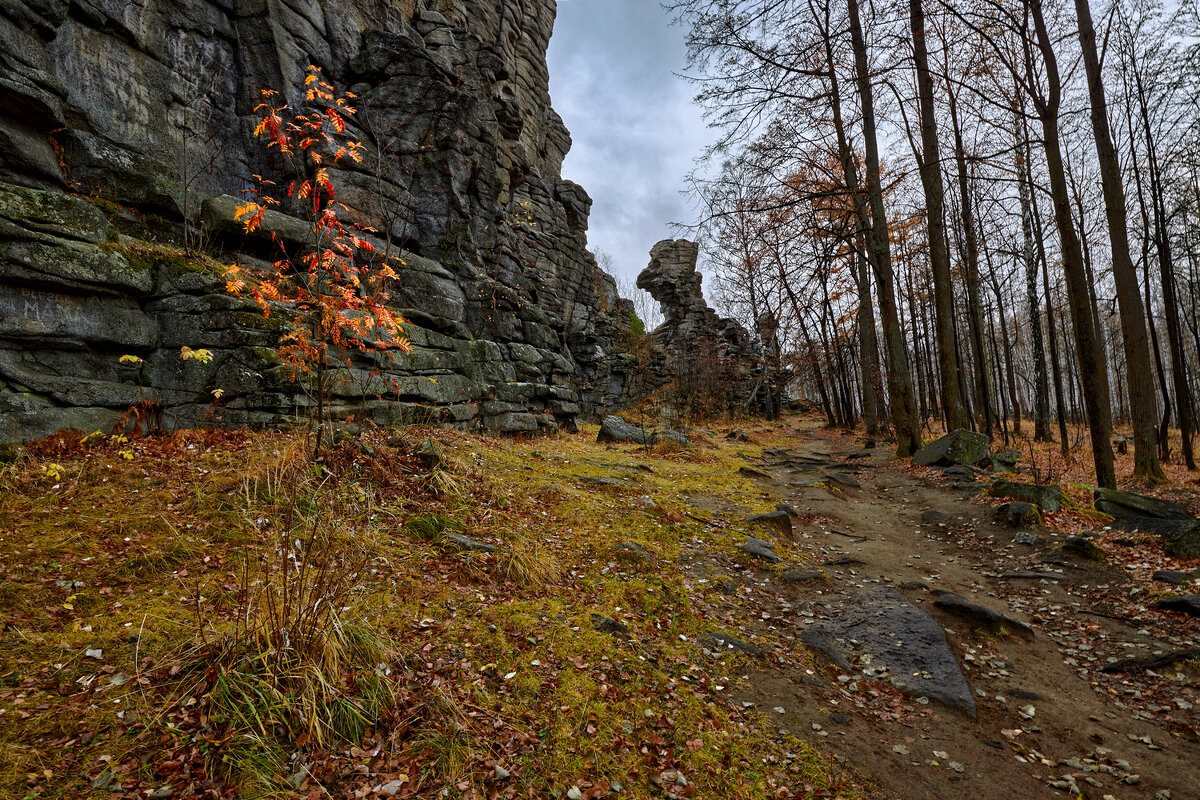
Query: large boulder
[[956, 447], [1018, 514], [1047, 498], [615, 429], [1128, 506]]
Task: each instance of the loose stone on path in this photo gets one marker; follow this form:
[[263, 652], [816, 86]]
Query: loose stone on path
[[760, 549]]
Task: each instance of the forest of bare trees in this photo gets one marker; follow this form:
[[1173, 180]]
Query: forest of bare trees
[[964, 213]]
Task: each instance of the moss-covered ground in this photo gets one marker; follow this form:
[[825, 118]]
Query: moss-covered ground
[[214, 614]]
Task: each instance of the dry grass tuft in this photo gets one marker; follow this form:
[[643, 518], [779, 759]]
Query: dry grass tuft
[[527, 562]]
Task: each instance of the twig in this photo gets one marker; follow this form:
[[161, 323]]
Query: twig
[[853, 536], [707, 522]]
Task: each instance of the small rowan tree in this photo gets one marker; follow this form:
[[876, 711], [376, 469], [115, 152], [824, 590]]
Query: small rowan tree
[[334, 290]]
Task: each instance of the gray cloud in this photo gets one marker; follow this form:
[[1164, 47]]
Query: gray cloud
[[635, 131]]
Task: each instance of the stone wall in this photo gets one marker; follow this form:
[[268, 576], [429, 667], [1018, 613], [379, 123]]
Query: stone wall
[[119, 119]]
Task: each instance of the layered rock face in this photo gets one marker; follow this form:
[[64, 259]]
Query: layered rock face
[[119, 120], [698, 342]]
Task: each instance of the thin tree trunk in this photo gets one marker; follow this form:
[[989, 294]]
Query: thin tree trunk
[[872, 369], [1094, 370], [1006, 349], [870, 377], [903, 405], [1041, 423], [1162, 242], [997, 375], [919, 357], [1060, 400], [930, 168], [1133, 318], [983, 393]]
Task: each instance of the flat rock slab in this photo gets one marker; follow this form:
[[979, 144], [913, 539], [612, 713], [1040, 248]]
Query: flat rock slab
[[980, 616], [602, 481], [634, 551], [1143, 663], [1031, 576], [1181, 537], [897, 636], [1127, 505], [844, 478], [609, 625], [750, 472], [959, 471], [809, 483], [1170, 576]]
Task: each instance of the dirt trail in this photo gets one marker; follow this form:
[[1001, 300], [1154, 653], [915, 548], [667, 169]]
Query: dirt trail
[[1101, 741]]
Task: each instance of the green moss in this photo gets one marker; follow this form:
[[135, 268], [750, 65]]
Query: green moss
[[256, 319], [146, 256], [107, 206]]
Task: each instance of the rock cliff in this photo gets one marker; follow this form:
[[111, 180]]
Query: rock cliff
[[121, 120]]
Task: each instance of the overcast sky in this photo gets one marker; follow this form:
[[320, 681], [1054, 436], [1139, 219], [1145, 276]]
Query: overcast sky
[[635, 130]]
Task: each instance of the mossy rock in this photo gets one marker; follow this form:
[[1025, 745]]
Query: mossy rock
[[1046, 498], [956, 447]]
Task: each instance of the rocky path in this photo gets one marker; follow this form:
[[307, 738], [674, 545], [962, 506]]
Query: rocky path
[[1011, 701]]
